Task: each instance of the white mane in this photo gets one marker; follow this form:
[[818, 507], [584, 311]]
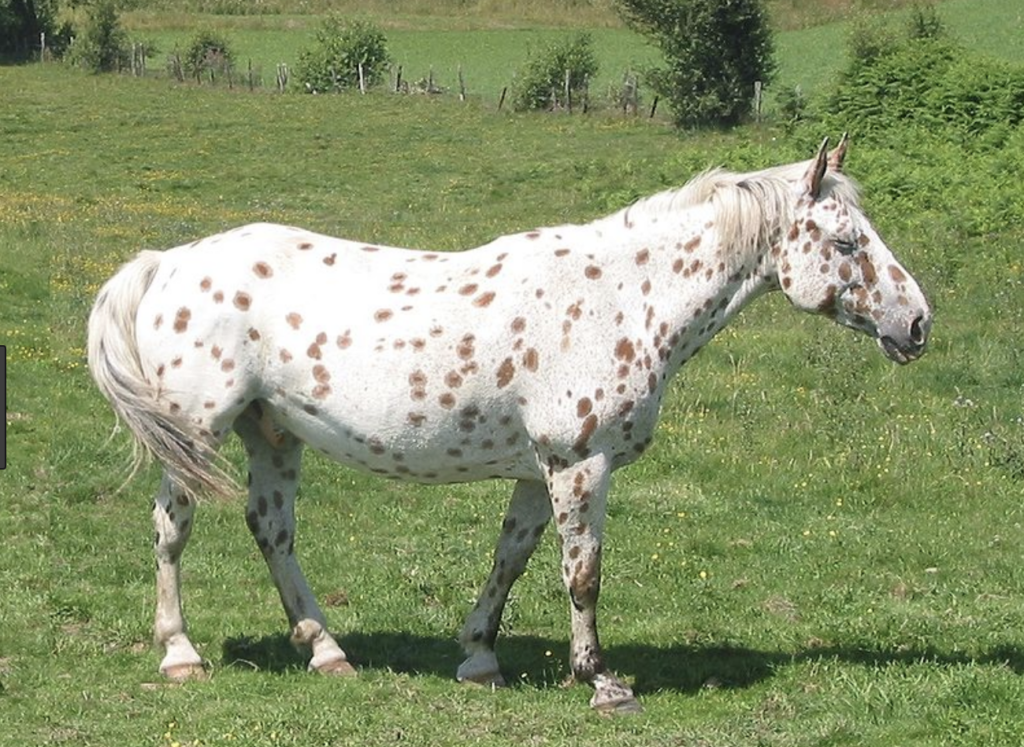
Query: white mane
[[750, 209]]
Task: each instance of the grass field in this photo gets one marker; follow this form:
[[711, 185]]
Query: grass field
[[820, 548], [490, 54]]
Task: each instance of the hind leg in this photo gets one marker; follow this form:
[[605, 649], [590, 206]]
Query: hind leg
[[528, 514], [173, 511], [273, 481]]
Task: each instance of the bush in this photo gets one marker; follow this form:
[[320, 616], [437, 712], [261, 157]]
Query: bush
[[541, 83], [341, 46], [207, 51], [928, 80], [103, 45], [715, 51]]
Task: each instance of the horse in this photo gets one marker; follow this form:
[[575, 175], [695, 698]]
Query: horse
[[541, 357]]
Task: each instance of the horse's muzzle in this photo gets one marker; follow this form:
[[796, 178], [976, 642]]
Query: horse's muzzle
[[907, 346]]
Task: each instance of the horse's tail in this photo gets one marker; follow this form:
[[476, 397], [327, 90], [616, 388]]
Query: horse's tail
[[117, 369]]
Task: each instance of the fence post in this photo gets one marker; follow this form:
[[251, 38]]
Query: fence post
[[757, 101], [362, 79], [501, 100], [398, 80], [462, 84]]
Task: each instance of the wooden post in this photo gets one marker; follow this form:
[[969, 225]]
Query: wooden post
[[362, 79], [398, 80], [568, 90], [462, 85], [757, 101], [251, 81], [654, 108], [42, 46], [501, 101]]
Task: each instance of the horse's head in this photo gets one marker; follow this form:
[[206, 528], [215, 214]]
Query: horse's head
[[833, 262]]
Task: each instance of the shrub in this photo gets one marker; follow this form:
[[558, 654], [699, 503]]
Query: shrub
[[541, 83], [715, 50], [103, 44], [207, 51], [340, 48], [928, 80]]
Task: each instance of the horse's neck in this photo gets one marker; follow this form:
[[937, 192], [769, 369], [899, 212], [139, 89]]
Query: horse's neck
[[696, 288]]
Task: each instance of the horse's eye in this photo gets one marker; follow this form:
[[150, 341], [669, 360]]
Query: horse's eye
[[846, 247]]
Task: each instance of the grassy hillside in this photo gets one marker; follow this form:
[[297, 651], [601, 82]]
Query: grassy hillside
[[820, 548]]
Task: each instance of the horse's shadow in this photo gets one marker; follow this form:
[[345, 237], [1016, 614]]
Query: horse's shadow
[[541, 662]]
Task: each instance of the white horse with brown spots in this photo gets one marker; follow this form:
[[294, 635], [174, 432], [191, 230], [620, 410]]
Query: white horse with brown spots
[[541, 357]]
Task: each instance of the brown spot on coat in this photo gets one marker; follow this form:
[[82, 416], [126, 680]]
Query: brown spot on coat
[[586, 431], [205, 284], [642, 257], [382, 315], [692, 244], [243, 300], [584, 407], [505, 373], [181, 319], [531, 359], [484, 299], [867, 269], [294, 320], [465, 348], [624, 350], [593, 272], [468, 289], [262, 270]]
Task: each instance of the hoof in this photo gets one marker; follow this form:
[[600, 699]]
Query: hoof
[[624, 707], [613, 697], [481, 669], [490, 680], [183, 672], [336, 668]]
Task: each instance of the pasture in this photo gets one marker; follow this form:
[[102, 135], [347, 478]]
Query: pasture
[[819, 548]]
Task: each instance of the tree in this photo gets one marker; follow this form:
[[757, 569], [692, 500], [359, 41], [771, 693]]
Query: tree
[[715, 51], [103, 45], [21, 23]]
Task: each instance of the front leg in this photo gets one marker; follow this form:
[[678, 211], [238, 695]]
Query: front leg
[[528, 513], [579, 496]]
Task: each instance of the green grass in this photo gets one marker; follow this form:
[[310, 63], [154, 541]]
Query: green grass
[[820, 548], [491, 54]]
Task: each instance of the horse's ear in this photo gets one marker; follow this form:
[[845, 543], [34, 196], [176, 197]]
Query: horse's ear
[[816, 172], [838, 154]]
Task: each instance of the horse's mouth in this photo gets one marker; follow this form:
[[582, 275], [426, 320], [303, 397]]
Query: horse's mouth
[[901, 354]]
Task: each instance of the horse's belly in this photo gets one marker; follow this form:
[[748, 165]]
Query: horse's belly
[[438, 449]]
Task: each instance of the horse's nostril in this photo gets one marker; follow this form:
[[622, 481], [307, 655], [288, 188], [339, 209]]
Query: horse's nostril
[[917, 332]]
